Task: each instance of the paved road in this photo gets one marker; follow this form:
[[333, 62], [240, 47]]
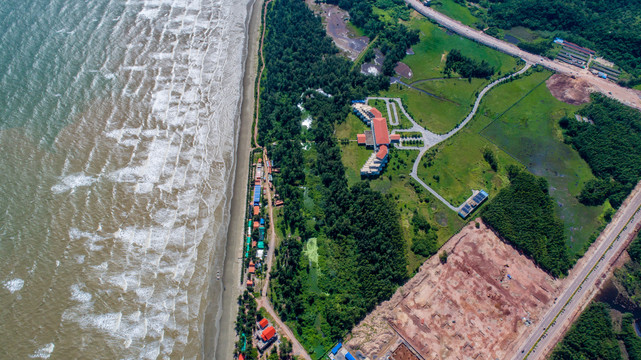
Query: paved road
[[627, 96], [550, 329], [431, 139]]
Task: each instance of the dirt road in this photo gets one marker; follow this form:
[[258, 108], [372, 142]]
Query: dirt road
[[593, 269], [626, 96]]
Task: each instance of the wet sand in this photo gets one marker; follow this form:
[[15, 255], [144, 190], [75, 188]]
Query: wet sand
[[222, 347]]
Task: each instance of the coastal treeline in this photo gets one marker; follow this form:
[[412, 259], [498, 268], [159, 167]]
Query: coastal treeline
[[611, 27], [610, 142], [466, 67], [298, 60], [356, 259], [246, 325], [523, 213], [393, 38], [591, 337]]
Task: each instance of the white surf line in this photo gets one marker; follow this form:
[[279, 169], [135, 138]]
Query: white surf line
[[431, 139]]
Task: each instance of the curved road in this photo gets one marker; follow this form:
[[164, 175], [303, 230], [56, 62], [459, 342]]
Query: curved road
[[431, 139], [571, 302], [627, 96]]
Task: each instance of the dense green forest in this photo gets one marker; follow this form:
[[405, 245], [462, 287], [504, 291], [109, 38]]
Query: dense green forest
[[591, 337], [611, 27], [524, 214], [467, 67], [630, 274], [393, 38], [357, 256], [631, 340], [611, 147]]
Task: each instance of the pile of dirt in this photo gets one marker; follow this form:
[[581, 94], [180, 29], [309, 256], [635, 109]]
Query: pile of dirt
[[569, 90], [480, 304]]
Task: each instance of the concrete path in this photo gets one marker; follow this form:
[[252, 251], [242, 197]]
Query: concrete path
[[431, 139]]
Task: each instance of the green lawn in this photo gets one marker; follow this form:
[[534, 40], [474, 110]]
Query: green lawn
[[455, 11], [457, 166], [529, 131], [435, 114], [519, 122], [429, 56], [349, 128], [354, 157]]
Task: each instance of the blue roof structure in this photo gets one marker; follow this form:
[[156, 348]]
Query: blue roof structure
[[336, 348], [473, 203], [349, 356]]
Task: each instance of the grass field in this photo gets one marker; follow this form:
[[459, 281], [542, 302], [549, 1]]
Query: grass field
[[428, 60], [436, 115], [457, 165], [455, 11], [529, 131], [518, 121], [349, 128]]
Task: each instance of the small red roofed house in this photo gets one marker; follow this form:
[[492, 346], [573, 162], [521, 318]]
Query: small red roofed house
[[250, 282], [256, 224], [395, 137], [241, 357], [256, 209], [268, 333], [263, 323], [252, 267], [361, 139]]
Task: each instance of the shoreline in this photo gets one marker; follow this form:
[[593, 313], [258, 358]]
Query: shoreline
[[223, 345]]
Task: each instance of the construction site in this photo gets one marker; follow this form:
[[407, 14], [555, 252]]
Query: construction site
[[477, 303]]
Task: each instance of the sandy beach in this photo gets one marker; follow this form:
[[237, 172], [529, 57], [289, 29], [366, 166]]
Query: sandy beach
[[222, 347]]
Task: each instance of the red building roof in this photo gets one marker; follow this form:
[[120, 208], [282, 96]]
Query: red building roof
[[252, 269], [256, 210], [268, 333], [361, 139], [376, 113], [256, 224], [382, 152], [395, 137], [381, 133], [241, 357], [263, 323], [250, 282]]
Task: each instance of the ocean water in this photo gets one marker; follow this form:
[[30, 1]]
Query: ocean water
[[118, 129]]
